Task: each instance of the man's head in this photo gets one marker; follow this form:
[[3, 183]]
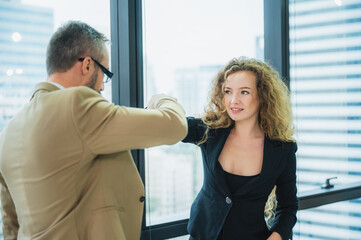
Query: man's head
[[71, 42]]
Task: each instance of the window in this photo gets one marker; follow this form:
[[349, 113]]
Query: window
[[185, 44], [325, 82], [25, 29]]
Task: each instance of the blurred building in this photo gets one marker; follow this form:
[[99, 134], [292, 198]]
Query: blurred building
[[193, 87], [325, 59], [24, 33]]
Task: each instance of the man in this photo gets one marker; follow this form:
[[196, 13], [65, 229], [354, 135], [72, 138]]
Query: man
[[66, 171]]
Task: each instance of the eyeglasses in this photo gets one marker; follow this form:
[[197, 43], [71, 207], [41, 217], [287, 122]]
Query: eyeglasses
[[108, 74]]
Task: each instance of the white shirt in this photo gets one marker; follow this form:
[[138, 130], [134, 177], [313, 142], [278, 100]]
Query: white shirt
[[57, 85]]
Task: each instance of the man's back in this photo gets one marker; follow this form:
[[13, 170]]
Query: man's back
[[65, 159]]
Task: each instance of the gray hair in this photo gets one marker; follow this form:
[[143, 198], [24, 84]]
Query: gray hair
[[70, 42]]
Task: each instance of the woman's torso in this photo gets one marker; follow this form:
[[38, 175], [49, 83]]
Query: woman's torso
[[242, 155]]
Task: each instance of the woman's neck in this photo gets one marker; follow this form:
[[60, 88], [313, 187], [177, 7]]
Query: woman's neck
[[248, 129]]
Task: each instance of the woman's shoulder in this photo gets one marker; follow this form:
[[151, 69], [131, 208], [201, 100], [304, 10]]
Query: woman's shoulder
[[286, 144], [290, 146]]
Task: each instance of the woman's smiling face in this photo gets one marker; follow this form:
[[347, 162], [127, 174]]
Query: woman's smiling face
[[240, 96]]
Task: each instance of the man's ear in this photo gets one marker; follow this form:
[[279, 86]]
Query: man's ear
[[86, 65]]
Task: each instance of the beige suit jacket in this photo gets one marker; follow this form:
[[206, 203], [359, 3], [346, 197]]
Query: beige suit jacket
[[66, 168]]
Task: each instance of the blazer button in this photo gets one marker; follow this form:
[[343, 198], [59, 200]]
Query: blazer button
[[228, 200], [142, 198]]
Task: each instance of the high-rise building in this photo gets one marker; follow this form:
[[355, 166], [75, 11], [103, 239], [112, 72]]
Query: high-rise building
[[24, 33], [193, 85], [325, 46]]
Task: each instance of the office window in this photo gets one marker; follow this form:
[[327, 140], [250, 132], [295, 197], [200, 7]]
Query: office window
[[25, 29], [185, 44], [325, 60]]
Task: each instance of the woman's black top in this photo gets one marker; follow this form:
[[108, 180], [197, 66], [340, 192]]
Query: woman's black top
[[237, 181], [233, 227]]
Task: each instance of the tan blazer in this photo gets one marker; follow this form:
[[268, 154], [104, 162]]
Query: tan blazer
[[66, 169]]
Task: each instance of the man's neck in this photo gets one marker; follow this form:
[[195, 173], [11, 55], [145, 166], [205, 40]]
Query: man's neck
[[65, 79], [57, 85]]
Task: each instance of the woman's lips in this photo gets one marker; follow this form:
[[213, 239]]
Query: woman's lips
[[236, 110]]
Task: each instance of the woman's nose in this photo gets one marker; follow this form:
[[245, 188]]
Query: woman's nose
[[235, 99]]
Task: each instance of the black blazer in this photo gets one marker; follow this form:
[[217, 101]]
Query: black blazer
[[214, 201]]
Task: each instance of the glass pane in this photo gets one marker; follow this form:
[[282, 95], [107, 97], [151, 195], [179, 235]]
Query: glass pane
[[330, 222], [25, 29], [325, 48], [185, 44]]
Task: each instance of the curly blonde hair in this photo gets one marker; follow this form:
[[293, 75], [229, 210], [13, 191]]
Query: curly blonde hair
[[270, 208], [275, 116]]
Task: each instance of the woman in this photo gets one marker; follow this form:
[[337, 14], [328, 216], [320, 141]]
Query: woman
[[246, 141]]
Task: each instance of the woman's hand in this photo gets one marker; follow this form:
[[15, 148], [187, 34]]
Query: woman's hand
[[275, 236]]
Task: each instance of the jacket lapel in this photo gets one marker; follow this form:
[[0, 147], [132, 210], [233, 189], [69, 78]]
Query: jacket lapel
[[271, 158], [215, 144]]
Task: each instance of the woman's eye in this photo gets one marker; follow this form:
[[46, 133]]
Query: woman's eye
[[227, 92], [245, 92]]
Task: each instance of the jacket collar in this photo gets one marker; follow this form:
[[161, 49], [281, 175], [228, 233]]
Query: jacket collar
[[44, 86]]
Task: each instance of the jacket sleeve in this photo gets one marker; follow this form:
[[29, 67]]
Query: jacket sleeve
[[8, 213], [196, 130], [106, 128], [287, 201]]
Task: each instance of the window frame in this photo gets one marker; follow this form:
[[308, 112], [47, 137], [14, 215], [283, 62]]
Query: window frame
[[127, 59], [127, 89]]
